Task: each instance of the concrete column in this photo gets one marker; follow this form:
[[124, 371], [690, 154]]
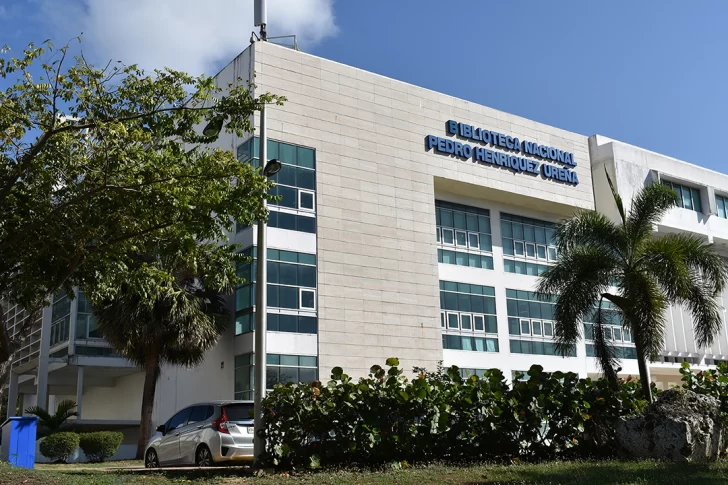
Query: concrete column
[[45, 345], [12, 394], [79, 390]]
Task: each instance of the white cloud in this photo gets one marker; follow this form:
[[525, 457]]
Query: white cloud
[[197, 36]]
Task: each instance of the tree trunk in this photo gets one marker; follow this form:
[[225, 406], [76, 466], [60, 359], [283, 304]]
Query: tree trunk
[[644, 371], [151, 371]]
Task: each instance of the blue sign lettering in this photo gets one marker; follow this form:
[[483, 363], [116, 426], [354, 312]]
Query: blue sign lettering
[[512, 162]]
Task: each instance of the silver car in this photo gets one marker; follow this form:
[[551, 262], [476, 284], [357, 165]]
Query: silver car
[[204, 434]]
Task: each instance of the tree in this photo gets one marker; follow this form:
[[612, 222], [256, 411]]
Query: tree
[[177, 327], [52, 423], [639, 273], [96, 165]]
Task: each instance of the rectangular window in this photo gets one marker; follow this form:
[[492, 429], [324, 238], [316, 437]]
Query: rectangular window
[[688, 197], [461, 238], [306, 200], [473, 240], [280, 369], [541, 251], [536, 327], [447, 236], [722, 203], [548, 329], [466, 322], [452, 320], [530, 250], [525, 327], [307, 299], [519, 248]]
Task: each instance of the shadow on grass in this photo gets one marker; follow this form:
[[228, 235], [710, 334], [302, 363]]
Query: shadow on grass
[[190, 474], [608, 473]]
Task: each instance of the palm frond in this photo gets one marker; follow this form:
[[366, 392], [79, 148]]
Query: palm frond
[[65, 410], [645, 313], [590, 228], [604, 351], [43, 416], [582, 275], [691, 274], [617, 197], [648, 207]]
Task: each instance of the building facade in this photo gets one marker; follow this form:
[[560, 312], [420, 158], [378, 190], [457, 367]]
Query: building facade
[[410, 224]]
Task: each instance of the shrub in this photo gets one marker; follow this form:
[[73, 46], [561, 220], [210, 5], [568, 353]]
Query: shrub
[[711, 382], [59, 446], [385, 417], [100, 445]]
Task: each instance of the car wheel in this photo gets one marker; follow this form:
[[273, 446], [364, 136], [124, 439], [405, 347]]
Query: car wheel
[[151, 460], [203, 457]]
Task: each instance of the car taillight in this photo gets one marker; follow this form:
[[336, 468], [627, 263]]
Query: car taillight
[[220, 423]]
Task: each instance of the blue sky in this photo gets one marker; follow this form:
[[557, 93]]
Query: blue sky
[[652, 73]]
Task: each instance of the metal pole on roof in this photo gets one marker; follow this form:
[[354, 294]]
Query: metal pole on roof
[[261, 18]]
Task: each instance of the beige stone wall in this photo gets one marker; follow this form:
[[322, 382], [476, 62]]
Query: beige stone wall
[[378, 290]]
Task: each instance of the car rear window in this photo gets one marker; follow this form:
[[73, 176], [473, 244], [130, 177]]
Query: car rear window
[[239, 412]]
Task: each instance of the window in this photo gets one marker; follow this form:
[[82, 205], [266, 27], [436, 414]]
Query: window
[[689, 197], [464, 259], [466, 373], [468, 308], [536, 347], [620, 352], [178, 420], [291, 286], [280, 369], [525, 238], [308, 299], [465, 227], [200, 413], [295, 183], [86, 326], [530, 315], [60, 318], [306, 200], [722, 203], [464, 342]]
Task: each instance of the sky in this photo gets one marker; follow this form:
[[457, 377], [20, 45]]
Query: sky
[[652, 73]]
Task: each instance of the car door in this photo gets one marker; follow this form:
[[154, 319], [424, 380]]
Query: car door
[[189, 436], [168, 449]]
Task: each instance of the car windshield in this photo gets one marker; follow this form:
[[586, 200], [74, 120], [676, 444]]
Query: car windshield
[[239, 412]]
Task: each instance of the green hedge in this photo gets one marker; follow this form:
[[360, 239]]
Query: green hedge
[[386, 417], [100, 445], [59, 446]]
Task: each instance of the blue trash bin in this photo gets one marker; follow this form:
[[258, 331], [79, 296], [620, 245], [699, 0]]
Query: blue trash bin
[[18, 445]]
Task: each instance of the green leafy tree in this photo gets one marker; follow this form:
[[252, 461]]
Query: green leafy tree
[[177, 327], [99, 164], [639, 273], [52, 423]]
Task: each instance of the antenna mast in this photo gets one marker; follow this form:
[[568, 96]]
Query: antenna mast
[[261, 18]]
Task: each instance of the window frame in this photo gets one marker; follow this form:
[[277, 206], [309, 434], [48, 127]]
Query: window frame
[[477, 236], [457, 319], [302, 289], [465, 235], [520, 326], [452, 235], [313, 198]]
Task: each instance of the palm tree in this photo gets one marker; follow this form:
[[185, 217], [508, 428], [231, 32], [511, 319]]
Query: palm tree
[[182, 322], [639, 273], [51, 423]]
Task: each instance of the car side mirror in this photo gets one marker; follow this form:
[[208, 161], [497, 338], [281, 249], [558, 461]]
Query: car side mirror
[[161, 428]]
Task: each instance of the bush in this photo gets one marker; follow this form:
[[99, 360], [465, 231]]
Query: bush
[[59, 446], [711, 382], [386, 417], [100, 445]]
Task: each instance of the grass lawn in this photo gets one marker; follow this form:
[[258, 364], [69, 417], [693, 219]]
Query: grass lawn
[[589, 473]]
